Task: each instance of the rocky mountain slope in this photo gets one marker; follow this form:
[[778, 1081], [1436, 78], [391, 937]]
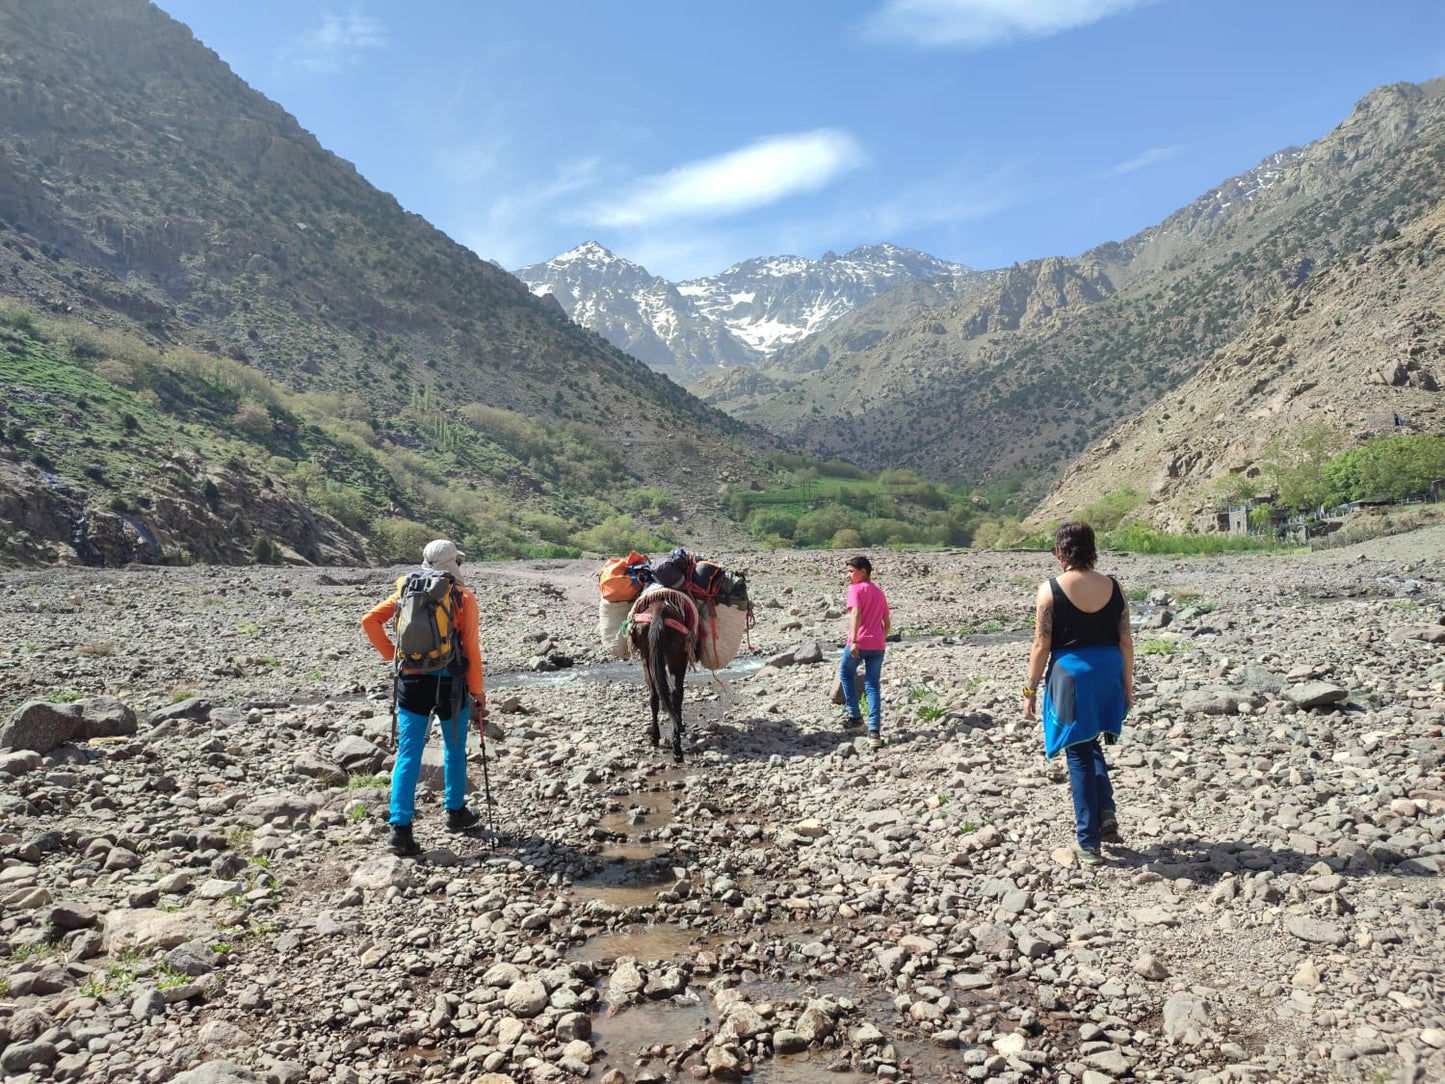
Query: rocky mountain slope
[[737, 317], [1359, 348], [641, 314], [196, 888], [1053, 354], [145, 189]]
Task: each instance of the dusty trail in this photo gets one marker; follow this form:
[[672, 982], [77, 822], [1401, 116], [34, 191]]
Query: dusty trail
[[207, 882]]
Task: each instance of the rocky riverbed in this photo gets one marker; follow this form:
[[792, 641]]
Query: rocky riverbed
[[194, 887]]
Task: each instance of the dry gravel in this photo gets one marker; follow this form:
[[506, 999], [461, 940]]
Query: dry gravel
[[194, 885]]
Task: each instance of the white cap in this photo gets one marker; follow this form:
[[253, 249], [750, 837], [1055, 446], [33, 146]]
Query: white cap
[[441, 554]]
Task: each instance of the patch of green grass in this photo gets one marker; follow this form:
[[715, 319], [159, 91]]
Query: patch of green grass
[[1137, 594], [1161, 645], [168, 977], [239, 836], [179, 693], [30, 951], [247, 628], [65, 696], [1408, 605], [29, 645], [221, 946], [363, 782], [113, 982], [1136, 539], [975, 681], [356, 814], [264, 861]]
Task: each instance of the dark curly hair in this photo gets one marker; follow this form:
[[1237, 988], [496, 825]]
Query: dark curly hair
[[1074, 542]]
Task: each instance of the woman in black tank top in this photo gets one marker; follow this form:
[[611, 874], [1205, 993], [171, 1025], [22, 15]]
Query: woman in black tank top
[[1082, 661]]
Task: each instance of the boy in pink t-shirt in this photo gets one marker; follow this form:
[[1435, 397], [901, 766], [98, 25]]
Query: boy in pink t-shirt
[[868, 623]]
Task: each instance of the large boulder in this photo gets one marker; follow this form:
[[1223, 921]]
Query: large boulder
[[106, 717], [41, 726]]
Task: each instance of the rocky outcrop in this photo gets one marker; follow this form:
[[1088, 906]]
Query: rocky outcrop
[[45, 518]]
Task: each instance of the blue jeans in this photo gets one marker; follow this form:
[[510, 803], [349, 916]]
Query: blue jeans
[[1093, 793], [411, 740], [872, 674]]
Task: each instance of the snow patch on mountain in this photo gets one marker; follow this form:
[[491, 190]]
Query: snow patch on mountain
[[737, 317]]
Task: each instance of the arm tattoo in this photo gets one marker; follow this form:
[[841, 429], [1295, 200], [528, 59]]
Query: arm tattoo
[[1124, 621], [1046, 620]]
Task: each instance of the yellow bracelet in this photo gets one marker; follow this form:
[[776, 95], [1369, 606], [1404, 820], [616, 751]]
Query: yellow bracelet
[[1028, 691]]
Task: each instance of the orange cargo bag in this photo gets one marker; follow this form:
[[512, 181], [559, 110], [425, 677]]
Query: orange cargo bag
[[618, 579]]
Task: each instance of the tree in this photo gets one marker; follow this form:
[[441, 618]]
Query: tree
[[818, 527], [1388, 468], [772, 521], [1296, 460]]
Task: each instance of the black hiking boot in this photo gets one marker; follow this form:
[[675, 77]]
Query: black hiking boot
[[459, 820], [399, 841], [1109, 827]]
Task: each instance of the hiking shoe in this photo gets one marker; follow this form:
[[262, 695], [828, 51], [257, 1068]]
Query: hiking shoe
[[853, 722], [399, 840], [875, 740], [459, 820], [1086, 857], [1109, 828]]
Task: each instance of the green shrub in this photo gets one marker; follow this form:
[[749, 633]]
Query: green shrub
[[1109, 511], [772, 521], [264, 551], [400, 541], [818, 527], [617, 535]]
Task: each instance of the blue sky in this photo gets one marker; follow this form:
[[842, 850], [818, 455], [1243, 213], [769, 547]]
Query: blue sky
[[687, 136]]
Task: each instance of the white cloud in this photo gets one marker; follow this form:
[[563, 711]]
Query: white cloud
[[338, 44], [1139, 161], [980, 23], [509, 230], [755, 176]]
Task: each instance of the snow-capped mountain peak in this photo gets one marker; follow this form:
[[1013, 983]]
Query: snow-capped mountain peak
[[738, 316]]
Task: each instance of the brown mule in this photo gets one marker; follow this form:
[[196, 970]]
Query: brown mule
[[664, 633]]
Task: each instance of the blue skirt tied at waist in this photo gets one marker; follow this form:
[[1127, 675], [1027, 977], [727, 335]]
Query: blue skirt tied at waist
[[1083, 697]]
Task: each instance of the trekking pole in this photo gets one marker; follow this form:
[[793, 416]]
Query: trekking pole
[[487, 787]]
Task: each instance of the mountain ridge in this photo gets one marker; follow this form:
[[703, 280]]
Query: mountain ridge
[[737, 317], [1051, 355], [144, 188]]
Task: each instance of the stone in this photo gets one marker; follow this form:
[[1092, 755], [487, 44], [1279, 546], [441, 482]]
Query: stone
[[382, 872], [357, 755], [1315, 931], [18, 1057], [526, 998], [1183, 1011], [40, 726], [197, 708], [788, 1042], [1148, 965], [267, 808], [145, 928], [1315, 694], [219, 1072]]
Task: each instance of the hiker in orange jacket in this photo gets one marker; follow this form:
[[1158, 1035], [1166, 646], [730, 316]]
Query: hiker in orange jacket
[[421, 695]]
